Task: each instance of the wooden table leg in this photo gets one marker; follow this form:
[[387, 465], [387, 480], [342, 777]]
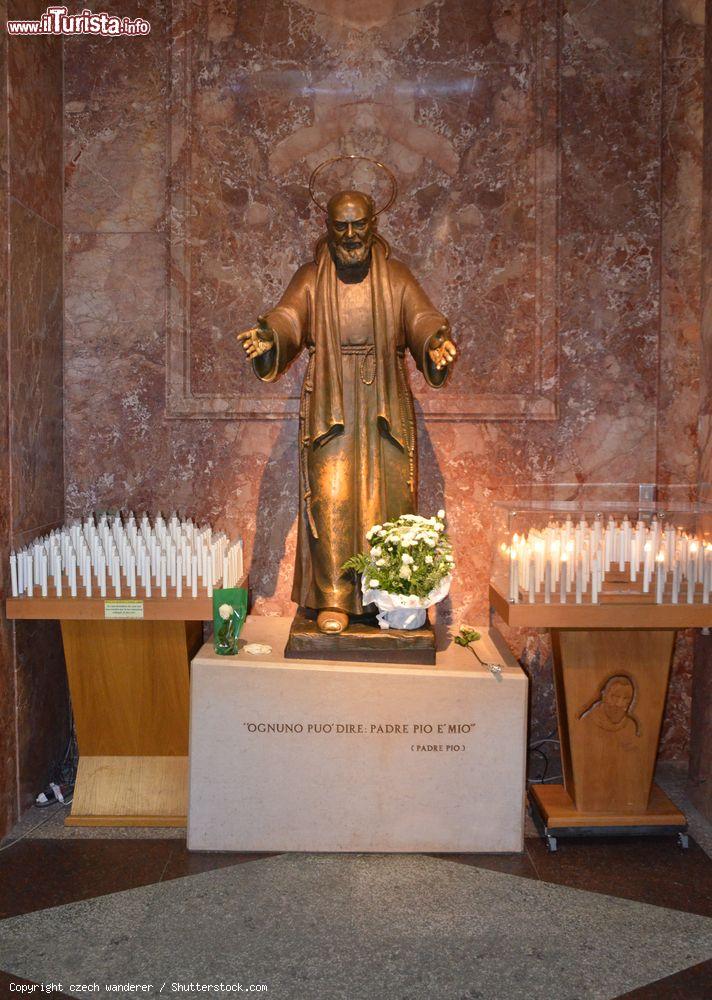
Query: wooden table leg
[[610, 694], [129, 682]]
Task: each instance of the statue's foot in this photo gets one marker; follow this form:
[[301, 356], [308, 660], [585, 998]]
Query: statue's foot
[[332, 620]]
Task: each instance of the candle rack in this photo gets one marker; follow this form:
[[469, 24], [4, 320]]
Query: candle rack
[[638, 576], [131, 595]]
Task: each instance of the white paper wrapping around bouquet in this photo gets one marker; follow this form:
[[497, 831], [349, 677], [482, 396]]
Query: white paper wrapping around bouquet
[[400, 610]]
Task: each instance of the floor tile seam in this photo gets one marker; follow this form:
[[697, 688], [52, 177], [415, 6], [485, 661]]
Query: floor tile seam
[[662, 979], [555, 886], [628, 899], [592, 892], [133, 888]]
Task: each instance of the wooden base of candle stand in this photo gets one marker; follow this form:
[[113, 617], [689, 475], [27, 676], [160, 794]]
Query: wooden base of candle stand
[[611, 671], [610, 694], [129, 682], [555, 815]]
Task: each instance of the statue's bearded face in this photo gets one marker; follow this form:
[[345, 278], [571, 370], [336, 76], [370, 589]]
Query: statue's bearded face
[[351, 228]]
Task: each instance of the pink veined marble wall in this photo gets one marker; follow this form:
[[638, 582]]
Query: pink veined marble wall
[[34, 708], [549, 160], [701, 721]]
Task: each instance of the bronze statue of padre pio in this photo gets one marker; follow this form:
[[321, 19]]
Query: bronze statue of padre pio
[[356, 310]]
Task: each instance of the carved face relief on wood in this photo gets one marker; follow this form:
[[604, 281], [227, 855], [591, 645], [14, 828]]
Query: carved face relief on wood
[[612, 708]]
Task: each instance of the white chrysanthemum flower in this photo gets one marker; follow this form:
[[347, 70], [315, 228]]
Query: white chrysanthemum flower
[[405, 572], [376, 550], [441, 514], [225, 611], [429, 560], [406, 543], [373, 584], [380, 562], [405, 558]]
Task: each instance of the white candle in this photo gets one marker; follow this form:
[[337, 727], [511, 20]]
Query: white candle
[[594, 580], [547, 582], [532, 580], [209, 573], [13, 574], [608, 553], [563, 586], [659, 577], [163, 576], [691, 571], [194, 576], [179, 576]]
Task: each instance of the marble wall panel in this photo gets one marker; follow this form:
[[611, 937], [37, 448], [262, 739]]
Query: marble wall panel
[[681, 219], [33, 680], [35, 117], [36, 366], [37, 482], [705, 423], [701, 726], [446, 93], [115, 153], [467, 121], [8, 732]]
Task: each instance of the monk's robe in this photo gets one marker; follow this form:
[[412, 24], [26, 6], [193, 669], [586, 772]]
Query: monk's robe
[[358, 445]]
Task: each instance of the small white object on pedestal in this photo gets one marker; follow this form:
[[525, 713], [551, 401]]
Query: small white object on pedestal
[[299, 755]]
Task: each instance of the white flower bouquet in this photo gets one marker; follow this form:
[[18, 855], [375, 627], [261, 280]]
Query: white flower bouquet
[[407, 569]]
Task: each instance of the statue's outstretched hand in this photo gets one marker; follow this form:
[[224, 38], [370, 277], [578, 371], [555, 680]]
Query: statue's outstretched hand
[[257, 340], [442, 350]]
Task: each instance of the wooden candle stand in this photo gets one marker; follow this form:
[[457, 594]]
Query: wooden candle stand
[[611, 670], [128, 663]]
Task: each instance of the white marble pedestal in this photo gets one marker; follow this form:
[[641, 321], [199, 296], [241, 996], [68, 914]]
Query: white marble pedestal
[[293, 755]]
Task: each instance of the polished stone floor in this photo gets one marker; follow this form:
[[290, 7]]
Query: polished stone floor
[[598, 919]]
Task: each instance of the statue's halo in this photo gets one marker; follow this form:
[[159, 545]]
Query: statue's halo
[[354, 156]]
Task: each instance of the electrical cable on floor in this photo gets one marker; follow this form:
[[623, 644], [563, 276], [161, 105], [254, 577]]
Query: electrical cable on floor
[[536, 781], [61, 785], [32, 829], [535, 747]]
